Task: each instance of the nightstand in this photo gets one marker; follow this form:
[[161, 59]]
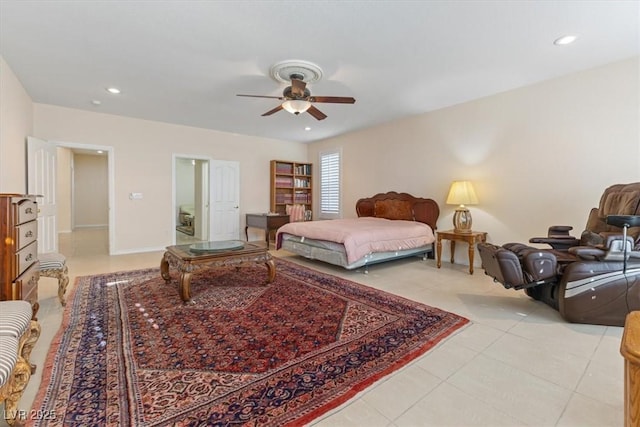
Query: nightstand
[[471, 238]]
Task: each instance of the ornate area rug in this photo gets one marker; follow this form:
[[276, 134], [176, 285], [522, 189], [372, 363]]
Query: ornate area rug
[[245, 353]]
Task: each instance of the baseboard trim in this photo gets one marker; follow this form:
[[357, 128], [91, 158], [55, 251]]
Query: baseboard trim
[[138, 250]]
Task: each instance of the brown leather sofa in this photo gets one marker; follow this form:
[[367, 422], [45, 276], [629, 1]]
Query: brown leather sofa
[[592, 279]]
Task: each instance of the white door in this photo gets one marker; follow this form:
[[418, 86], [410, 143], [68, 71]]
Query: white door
[[225, 200], [41, 181]]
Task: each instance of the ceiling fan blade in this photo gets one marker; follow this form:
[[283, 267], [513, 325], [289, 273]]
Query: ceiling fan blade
[[297, 87], [275, 110], [319, 115], [262, 96], [333, 99]]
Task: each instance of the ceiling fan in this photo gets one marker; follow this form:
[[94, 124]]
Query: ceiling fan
[[297, 99]]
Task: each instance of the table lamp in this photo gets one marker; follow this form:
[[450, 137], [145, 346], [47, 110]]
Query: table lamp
[[462, 193]]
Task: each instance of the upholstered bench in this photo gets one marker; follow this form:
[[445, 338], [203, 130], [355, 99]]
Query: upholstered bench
[[18, 334], [54, 265], [16, 321], [8, 360], [15, 317]]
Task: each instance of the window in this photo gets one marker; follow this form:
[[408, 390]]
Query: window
[[330, 184]]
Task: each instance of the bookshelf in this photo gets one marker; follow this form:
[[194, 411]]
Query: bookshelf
[[291, 184]]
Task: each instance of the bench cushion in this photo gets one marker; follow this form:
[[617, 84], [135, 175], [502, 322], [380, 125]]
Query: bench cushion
[[51, 261], [15, 317]]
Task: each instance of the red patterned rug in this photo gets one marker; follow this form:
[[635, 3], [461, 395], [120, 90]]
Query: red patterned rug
[[130, 353]]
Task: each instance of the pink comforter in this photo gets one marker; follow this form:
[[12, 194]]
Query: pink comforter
[[361, 236]]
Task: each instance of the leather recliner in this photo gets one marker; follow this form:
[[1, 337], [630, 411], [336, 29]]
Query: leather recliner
[[592, 279], [619, 199]]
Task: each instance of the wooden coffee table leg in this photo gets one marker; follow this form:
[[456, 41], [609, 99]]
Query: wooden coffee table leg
[[272, 270], [185, 286], [164, 268]]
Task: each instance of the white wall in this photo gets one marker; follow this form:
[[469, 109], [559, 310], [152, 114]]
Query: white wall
[[16, 123], [143, 159], [537, 156]]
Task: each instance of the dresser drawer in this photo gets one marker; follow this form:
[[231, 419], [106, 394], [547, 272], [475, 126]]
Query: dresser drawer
[[25, 286], [25, 210], [25, 234], [25, 257]]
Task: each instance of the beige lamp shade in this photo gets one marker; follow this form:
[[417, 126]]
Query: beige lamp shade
[[462, 193]]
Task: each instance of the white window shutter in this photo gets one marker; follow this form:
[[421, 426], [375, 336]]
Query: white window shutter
[[330, 184]]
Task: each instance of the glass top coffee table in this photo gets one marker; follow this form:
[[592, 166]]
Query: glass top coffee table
[[229, 253]]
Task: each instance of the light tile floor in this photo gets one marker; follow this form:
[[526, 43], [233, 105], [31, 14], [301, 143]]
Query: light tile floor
[[517, 364]]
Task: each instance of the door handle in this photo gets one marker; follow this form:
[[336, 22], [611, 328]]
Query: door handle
[[236, 207]]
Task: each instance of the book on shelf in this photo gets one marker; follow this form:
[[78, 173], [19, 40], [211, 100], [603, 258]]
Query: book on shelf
[[303, 169], [302, 197], [283, 181], [282, 198], [284, 168], [302, 182]]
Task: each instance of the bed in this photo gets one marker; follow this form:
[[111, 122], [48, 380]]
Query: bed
[[389, 226]]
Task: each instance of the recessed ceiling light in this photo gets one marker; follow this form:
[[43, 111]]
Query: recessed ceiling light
[[307, 128], [113, 90], [96, 102], [565, 40]]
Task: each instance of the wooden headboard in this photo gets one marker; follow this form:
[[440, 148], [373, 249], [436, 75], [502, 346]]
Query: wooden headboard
[[394, 205]]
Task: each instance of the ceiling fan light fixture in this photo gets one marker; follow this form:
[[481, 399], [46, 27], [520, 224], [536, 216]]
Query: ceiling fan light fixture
[[296, 106]]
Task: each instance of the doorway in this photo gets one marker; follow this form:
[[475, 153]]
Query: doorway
[[206, 199], [83, 209], [191, 200], [56, 183]]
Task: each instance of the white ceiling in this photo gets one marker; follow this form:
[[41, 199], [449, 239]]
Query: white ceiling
[[184, 61]]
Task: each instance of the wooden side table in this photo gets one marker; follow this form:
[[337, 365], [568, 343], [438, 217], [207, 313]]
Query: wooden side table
[[471, 238], [630, 350], [267, 222]]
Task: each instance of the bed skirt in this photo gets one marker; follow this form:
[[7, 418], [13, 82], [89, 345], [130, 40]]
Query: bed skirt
[[337, 256]]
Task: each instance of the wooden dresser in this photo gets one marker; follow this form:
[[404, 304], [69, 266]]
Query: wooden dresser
[[19, 265]]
